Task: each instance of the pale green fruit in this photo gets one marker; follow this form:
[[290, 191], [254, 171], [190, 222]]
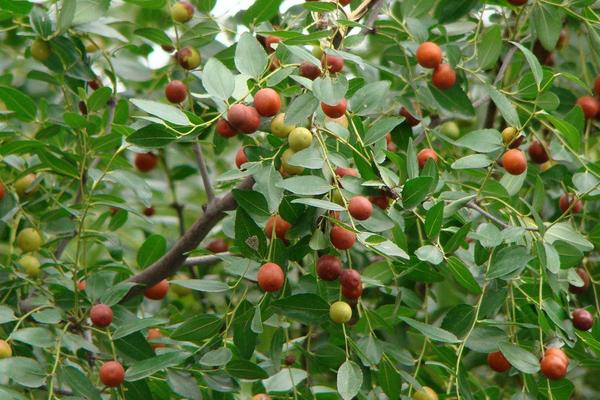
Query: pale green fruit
[[450, 129], [340, 312], [425, 393], [23, 185], [300, 138], [290, 169], [31, 265], [29, 240], [279, 128]]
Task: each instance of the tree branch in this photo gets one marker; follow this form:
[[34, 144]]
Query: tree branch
[[205, 260], [474, 206], [210, 195]]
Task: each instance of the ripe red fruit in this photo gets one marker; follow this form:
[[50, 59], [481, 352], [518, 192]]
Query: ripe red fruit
[[332, 63], [225, 129], [586, 282], [425, 155], [2, 191], [101, 315], [514, 162], [537, 152], [566, 200], [556, 352], [429, 55], [270, 277], [597, 85], [341, 238], [517, 2], [336, 110], [589, 105], [341, 172], [269, 41], [81, 285], [145, 162], [154, 333], [360, 208], [217, 245], [443, 77], [408, 117], [582, 319], [112, 373], [267, 102], [243, 118], [252, 120], [498, 362], [329, 267], [352, 293], [309, 70], [176, 92], [149, 211], [169, 48], [289, 359], [158, 291], [94, 84], [553, 367], [350, 278], [281, 227], [240, 158], [83, 108], [381, 201]]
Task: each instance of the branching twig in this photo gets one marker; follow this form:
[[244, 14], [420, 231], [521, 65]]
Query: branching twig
[[203, 172], [474, 206]]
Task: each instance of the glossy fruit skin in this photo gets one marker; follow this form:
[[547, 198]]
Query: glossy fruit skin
[[350, 278], [252, 121], [450, 129], [408, 117], [218, 245], [332, 63], [498, 362], [517, 2], [279, 128], [287, 167], [309, 70], [270, 277], [340, 312], [149, 211], [443, 77], [101, 315], [586, 282], [342, 171], [267, 102], [176, 92], [329, 267], [553, 367], [429, 55], [271, 40], [342, 239], [23, 185], [94, 84], [509, 134], [582, 319], [112, 373], [236, 115], [280, 225], [145, 162], [5, 349], [261, 396], [300, 138], [597, 85], [381, 201], [589, 105], [514, 162], [154, 333], [566, 200], [556, 352], [425, 393], [360, 208], [345, 2], [158, 291], [188, 58], [40, 50], [425, 155], [31, 265], [336, 110], [240, 158], [537, 152], [182, 12], [29, 240], [352, 293], [169, 48]]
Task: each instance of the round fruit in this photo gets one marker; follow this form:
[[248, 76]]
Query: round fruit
[[279, 128], [425, 393], [329, 267], [336, 110], [408, 117], [240, 158], [40, 50], [341, 238], [340, 312], [537, 152], [101, 315], [425, 155], [586, 282], [149, 211], [270, 277], [299, 138], [154, 333], [352, 293], [169, 48], [350, 278], [498, 362], [342, 121], [217, 246], [176, 92], [333, 63], [342, 171], [289, 359], [23, 185], [81, 285], [267, 102], [589, 105], [250, 119], [450, 129], [145, 162], [94, 84], [309, 70], [188, 58], [569, 201], [512, 138], [158, 291], [29, 240], [597, 85], [381, 201], [360, 208], [261, 396], [31, 265], [287, 167], [344, 2], [556, 352], [429, 55], [280, 225], [5, 349], [236, 115], [582, 319], [225, 129], [514, 162], [182, 12], [553, 367], [112, 373], [270, 41], [517, 2], [443, 77]]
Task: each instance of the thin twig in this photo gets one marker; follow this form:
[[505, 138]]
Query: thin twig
[[205, 260], [474, 206], [210, 195]]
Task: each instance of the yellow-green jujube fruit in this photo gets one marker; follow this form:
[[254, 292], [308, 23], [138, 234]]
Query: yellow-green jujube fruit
[[425, 393], [40, 50], [340, 312], [182, 12], [509, 134], [450, 129], [300, 138], [29, 240], [5, 349], [290, 169], [180, 291], [278, 126], [23, 185], [317, 51], [337, 198], [31, 265]]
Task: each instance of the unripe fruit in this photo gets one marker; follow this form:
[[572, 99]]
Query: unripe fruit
[[101, 315], [279, 128], [443, 77], [352, 293], [556, 352], [225, 129], [40, 50], [498, 362], [381, 201], [270, 41], [267, 102], [112, 373], [340, 312], [240, 158], [511, 137], [537, 152], [299, 138], [217, 245], [514, 162], [586, 282], [280, 225], [341, 238], [553, 367], [333, 63], [337, 198], [158, 291], [31, 265], [342, 121], [23, 185], [409, 118], [176, 92], [182, 12], [94, 45], [149, 211], [425, 393], [582, 319], [336, 110], [5, 349], [429, 55], [450, 129], [188, 58], [309, 70], [360, 208], [342, 171], [29, 240], [329, 267], [597, 85], [145, 162], [178, 290], [589, 105], [270, 277], [517, 2], [567, 201], [154, 333], [425, 155], [287, 167], [350, 278]]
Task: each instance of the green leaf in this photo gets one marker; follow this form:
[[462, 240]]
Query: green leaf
[[303, 307], [415, 190], [533, 62], [490, 47], [381, 128], [448, 11], [310, 157], [318, 203], [284, 380], [250, 57], [79, 383], [135, 325], [15, 100], [198, 328], [253, 202], [24, 371], [217, 79], [482, 141], [202, 285], [430, 254], [116, 293], [155, 35], [250, 239], [261, 10], [547, 22], [453, 99], [472, 161], [306, 185], [567, 131], [328, 90], [36, 336], [565, 232], [165, 112], [216, 358], [243, 369], [300, 109], [349, 380], [432, 332], [520, 358], [152, 136], [146, 368], [508, 260], [154, 247], [506, 108], [434, 219], [462, 275], [370, 98], [99, 98], [66, 15], [389, 379]]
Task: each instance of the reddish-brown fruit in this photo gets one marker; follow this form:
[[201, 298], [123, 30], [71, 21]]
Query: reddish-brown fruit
[[586, 282], [188, 58], [158, 291], [537, 152], [81, 285], [329, 267], [514, 162], [563, 38], [289, 359], [240, 158], [565, 202], [218, 245], [270, 41], [169, 48], [83, 108], [112, 373], [243, 118], [342, 171], [94, 84], [149, 211], [425, 155], [145, 162], [443, 77], [101, 315], [582, 319], [270, 277], [345, 2], [176, 92], [498, 362], [409, 118], [281, 227], [309, 70], [225, 129], [381, 201], [350, 278], [391, 146], [333, 63], [2, 191], [336, 110], [589, 105], [352, 293], [360, 208], [252, 122], [154, 333], [597, 85], [556, 352], [267, 102], [429, 55], [553, 367], [517, 142], [341, 238], [517, 2]]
